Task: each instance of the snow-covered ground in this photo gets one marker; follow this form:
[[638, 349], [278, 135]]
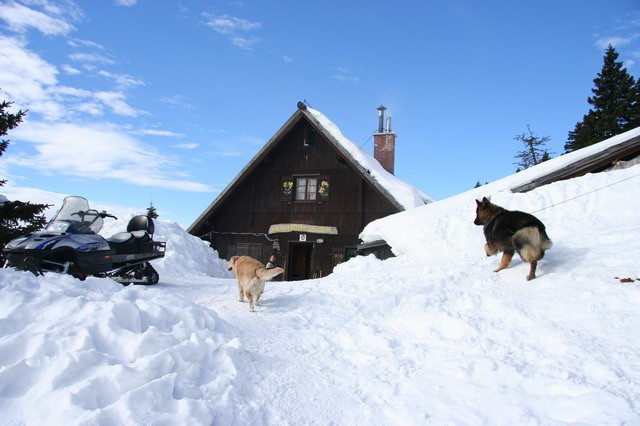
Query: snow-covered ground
[[432, 336]]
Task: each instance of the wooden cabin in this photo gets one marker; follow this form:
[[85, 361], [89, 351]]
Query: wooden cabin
[[306, 196]]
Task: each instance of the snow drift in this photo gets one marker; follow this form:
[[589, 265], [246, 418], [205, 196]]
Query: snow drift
[[429, 337]]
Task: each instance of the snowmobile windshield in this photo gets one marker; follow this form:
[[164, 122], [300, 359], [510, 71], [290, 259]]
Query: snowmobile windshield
[[76, 217]]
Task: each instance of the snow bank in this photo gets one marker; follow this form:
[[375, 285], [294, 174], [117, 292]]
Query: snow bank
[[601, 197], [185, 255], [451, 342], [96, 352]]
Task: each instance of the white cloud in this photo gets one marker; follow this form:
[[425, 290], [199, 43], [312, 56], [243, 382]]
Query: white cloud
[[28, 77], [154, 132], [85, 43], [34, 195], [69, 70], [99, 151], [32, 84], [227, 25], [234, 29], [191, 145], [242, 42], [345, 75], [67, 91], [123, 80], [227, 154], [91, 58], [177, 101], [95, 109], [20, 18], [604, 42], [126, 2], [116, 102], [287, 59]]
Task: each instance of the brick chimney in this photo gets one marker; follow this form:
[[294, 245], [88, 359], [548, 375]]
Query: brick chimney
[[384, 143]]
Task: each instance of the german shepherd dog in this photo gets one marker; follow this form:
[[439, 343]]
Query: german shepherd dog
[[512, 231]]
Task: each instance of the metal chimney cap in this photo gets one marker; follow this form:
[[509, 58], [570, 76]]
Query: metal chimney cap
[[381, 109]]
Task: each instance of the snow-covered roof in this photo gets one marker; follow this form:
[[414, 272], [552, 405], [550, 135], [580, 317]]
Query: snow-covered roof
[[591, 158], [407, 195], [401, 194]]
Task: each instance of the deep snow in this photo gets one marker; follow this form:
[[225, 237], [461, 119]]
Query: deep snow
[[431, 336]]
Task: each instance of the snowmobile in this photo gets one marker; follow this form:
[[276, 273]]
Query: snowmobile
[[70, 244]]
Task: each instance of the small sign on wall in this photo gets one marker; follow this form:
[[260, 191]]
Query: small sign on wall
[[303, 237]]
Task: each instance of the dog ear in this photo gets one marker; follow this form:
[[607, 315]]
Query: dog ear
[[485, 200], [478, 202]]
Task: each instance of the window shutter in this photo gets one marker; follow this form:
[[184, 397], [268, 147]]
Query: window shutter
[[324, 188], [286, 188]]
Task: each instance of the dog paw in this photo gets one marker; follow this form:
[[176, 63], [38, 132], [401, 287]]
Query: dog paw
[[489, 251]]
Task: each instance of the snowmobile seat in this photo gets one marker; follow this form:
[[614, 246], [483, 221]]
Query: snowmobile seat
[[141, 223], [139, 230]]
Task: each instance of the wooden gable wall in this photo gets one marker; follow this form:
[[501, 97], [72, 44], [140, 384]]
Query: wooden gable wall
[[257, 202]]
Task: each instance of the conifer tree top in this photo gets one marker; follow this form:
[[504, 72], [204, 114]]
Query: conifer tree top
[[615, 105]]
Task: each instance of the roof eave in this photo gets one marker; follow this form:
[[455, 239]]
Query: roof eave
[[246, 169], [594, 162]]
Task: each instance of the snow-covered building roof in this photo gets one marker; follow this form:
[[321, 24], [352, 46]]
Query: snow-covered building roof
[[399, 193], [405, 195], [590, 159]]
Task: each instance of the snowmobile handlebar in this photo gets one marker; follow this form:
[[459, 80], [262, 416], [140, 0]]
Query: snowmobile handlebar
[[97, 215], [104, 214]]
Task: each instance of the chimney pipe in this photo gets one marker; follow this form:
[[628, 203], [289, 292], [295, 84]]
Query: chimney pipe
[[381, 110], [384, 143]]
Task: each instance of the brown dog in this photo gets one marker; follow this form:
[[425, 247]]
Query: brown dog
[[511, 231], [251, 275]]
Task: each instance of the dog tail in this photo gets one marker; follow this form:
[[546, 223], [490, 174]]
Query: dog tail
[[531, 242], [267, 274]]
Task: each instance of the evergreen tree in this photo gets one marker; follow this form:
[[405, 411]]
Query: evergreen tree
[[635, 113], [151, 211], [16, 218], [615, 105], [533, 152]]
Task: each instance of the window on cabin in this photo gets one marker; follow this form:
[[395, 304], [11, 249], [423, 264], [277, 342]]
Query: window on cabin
[[306, 188]]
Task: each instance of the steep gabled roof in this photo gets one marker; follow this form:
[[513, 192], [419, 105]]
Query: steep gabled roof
[[399, 193]]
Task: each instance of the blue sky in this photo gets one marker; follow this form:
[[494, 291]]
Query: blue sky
[[131, 102]]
